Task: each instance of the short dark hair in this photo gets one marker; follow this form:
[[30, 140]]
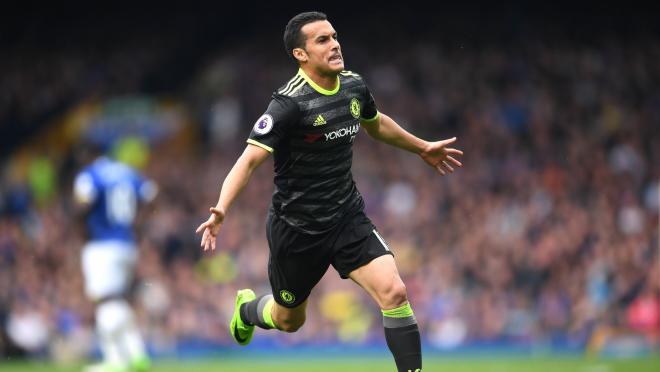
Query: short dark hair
[[293, 37]]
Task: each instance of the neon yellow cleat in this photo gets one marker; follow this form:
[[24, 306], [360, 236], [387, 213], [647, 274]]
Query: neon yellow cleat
[[241, 332]]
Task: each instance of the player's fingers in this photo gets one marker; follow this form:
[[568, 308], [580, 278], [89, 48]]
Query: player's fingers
[[447, 166], [454, 161], [213, 243], [206, 244], [440, 170], [204, 237], [454, 151], [201, 227], [447, 141]]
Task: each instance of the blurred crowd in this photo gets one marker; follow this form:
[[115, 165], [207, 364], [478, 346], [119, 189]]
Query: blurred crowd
[[548, 234]]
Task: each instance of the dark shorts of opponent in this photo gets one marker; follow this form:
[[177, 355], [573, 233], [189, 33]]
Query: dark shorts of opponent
[[298, 261]]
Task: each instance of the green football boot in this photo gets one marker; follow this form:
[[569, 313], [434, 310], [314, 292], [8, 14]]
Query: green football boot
[[241, 332]]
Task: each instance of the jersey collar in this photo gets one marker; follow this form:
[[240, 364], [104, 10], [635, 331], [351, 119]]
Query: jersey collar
[[316, 86]]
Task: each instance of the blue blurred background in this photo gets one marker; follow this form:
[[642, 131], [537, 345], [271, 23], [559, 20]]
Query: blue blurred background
[[545, 242]]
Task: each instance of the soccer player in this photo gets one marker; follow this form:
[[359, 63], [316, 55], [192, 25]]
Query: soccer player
[[108, 194], [317, 215]]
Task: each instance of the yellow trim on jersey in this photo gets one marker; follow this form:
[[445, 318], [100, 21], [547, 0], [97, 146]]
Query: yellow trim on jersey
[[317, 87], [258, 144], [372, 119]]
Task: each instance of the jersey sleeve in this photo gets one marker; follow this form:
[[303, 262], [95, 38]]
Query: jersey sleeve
[[274, 124], [369, 110], [84, 189], [147, 190]]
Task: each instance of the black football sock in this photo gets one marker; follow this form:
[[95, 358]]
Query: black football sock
[[402, 336], [252, 313]]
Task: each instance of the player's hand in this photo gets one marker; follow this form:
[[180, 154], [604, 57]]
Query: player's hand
[[211, 228], [441, 157]]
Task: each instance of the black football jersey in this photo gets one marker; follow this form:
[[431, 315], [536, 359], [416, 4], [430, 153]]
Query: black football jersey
[[310, 131]]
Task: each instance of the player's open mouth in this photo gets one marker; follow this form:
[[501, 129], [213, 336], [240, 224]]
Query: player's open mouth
[[335, 58]]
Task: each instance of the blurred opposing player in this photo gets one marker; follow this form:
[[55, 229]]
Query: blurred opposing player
[[108, 194]]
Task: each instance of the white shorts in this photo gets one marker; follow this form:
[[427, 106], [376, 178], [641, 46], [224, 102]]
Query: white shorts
[[108, 268]]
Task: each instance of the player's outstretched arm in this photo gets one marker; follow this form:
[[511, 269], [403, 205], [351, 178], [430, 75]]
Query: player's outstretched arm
[[238, 177], [436, 154]]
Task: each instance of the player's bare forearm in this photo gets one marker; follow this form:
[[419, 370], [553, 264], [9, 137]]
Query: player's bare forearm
[[239, 175], [386, 130], [437, 154]]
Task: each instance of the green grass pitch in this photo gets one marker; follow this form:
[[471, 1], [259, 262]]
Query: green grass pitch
[[376, 365]]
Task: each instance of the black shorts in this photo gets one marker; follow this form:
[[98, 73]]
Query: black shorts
[[298, 261]]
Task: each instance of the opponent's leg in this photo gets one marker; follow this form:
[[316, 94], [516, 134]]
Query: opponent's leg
[[109, 319], [120, 338], [380, 278], [108, 271], [131, 340]]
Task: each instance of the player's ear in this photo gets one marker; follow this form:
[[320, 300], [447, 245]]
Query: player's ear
[[300, 54]]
